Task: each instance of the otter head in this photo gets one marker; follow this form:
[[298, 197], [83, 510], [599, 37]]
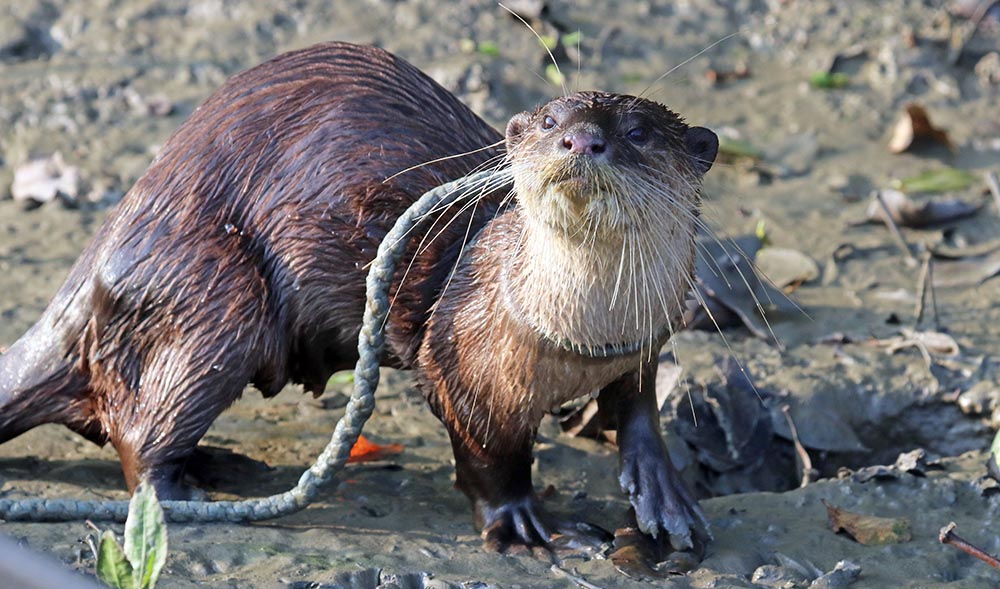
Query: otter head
[[594, 164]]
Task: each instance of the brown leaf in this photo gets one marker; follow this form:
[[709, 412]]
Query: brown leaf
[[914, 129], [869, 530]]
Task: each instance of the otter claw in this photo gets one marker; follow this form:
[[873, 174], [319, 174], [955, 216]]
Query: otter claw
[[524, 524], [661, 501]]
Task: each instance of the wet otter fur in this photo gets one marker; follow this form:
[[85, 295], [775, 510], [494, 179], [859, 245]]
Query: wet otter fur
[[239, 258]]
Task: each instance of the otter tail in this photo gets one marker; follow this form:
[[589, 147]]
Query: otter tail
[[39, 382]]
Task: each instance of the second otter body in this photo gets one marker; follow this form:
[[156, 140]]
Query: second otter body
[[239, 258]]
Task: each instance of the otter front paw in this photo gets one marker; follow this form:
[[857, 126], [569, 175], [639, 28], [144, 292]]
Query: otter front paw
[[661, 500], [524, 524]]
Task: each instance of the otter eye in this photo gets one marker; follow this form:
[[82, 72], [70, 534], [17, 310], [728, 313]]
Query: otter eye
[[548, 123], [639, 135]]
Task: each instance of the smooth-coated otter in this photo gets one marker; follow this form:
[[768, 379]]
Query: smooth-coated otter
[[239, 258]]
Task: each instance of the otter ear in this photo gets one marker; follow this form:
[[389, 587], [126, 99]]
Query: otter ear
[[518, 123], [703, 146]]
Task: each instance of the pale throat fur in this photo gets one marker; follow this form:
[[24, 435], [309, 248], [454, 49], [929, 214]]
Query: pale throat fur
[[581, 277]]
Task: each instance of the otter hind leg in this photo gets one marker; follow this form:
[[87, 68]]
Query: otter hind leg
[[181, 402], [497, 480], [183, 384], [659, 497]]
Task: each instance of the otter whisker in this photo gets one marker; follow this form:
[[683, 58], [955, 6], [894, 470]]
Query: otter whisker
[[477, 191], [544, 45], [443, 159], [690, 59], [439, 210]]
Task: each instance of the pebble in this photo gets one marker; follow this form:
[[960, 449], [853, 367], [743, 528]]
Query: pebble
[[842, 575]]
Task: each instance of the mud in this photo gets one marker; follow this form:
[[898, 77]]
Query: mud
[[80, 79]]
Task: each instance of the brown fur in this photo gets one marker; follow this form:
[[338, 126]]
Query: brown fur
[[239, 258]]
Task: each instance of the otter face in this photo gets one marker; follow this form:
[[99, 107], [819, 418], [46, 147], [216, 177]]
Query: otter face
[[598, 162]]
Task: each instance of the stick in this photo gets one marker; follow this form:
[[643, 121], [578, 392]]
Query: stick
[[930, 284], [925, 268], [991, 181], [947, 535], [807, 467], [896, 233]]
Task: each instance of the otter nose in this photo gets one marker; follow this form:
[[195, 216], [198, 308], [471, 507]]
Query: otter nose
[[585, 142]]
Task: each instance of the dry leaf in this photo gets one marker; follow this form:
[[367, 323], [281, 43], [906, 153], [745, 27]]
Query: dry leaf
[[934, 342], [728, 424], [727, 284], [364, 450], [907, 213], [914, 129], [869, 530], [42, 180]]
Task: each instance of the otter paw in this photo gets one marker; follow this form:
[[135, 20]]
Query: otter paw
[[661, 500], [524, 525]]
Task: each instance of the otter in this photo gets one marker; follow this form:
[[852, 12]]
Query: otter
[[239, 258]]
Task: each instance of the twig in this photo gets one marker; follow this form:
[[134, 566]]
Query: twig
[[925, 282], [918, 311], [807, 467], [991, 181], [560, 572], [896, 233], [947, 535], [930, 285]]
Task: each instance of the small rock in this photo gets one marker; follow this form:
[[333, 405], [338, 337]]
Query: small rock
[[980, 399], [988, 69], [986, 486], [784, 266], [878, 472], [42, 180], [842, 575], [917, 462], [851, 188], [778, 577]]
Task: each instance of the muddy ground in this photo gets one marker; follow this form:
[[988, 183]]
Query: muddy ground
[[104, 83]]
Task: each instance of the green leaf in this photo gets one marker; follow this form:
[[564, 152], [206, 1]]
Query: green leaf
[[572, 39], [828, 81], [995, 455], [488, 48], [941, 180], [554, 75], [761, 232], [550, 41], [341, 378], [113, 569], [145, 537], [738, 148]]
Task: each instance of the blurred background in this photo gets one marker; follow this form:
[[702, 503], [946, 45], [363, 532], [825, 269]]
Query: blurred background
[[834, 116]]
